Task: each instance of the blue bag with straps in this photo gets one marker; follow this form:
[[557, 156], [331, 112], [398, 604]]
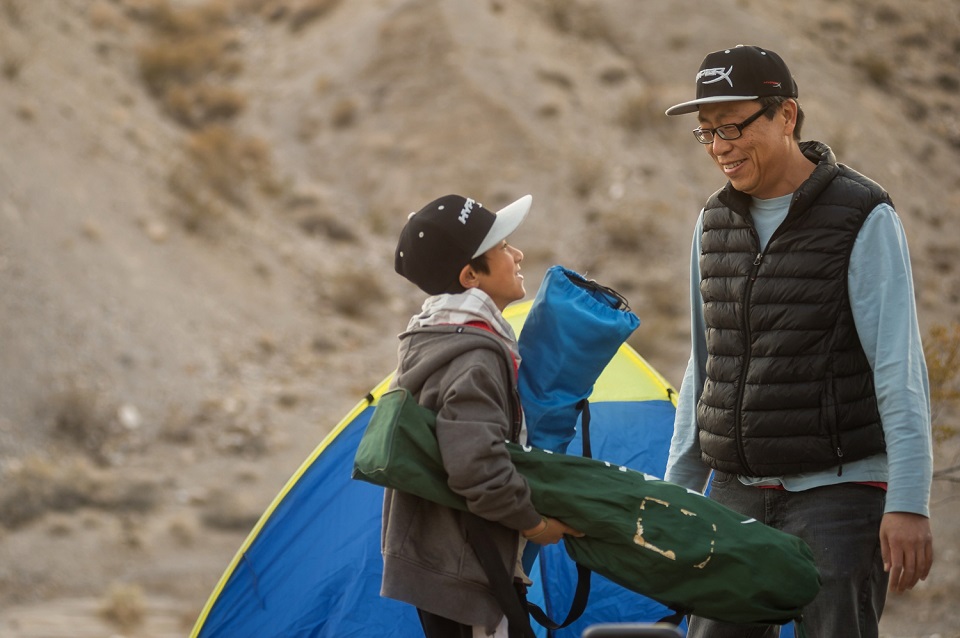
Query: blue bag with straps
[[573, 329]]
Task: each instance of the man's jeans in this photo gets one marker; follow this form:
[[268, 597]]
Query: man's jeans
[[841, 524]]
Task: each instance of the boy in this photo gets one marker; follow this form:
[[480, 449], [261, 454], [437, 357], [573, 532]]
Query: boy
[[459, 358]]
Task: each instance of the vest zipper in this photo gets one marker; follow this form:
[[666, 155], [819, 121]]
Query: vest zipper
[[833, 421], [756, 266], [738, 432]]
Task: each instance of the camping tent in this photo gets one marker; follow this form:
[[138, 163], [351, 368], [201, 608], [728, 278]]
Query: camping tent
[[311, 566]]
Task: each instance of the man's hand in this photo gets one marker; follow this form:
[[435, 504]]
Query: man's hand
[[906, 544]]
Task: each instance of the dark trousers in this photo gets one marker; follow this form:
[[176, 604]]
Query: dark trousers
[[435, 626], [841, 524]]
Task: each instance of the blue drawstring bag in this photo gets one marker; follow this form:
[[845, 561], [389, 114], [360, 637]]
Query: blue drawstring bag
[[571, 333]]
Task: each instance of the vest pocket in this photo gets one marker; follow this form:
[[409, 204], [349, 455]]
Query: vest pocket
[[829, 419]]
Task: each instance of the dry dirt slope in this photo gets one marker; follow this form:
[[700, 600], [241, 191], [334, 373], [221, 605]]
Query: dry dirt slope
[[188, 304]]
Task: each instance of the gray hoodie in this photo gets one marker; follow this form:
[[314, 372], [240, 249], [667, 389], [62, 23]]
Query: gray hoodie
[[466, 375]]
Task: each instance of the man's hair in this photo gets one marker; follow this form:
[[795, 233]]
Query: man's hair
[[478, 263], [777, 100]]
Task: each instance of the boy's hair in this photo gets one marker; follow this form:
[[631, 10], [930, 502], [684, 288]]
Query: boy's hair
[[479, 264]]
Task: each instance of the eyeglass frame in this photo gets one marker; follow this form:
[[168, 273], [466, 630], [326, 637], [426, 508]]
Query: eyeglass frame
[[715, 132]]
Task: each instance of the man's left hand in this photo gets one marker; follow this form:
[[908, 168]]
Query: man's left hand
[[906, 544]]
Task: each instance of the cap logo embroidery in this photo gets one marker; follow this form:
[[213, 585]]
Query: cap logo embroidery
[[724, 74], [465, 211]]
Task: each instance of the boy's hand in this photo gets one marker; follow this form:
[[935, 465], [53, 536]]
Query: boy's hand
[[550, 531]]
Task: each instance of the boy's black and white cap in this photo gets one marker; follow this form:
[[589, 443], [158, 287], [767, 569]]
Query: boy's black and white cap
[[740, 73], [442, 237]]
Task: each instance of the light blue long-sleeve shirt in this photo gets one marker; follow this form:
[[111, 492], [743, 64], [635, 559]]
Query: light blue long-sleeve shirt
[[880, 284]]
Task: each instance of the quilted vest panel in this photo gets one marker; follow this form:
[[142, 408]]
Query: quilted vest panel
[[788, 386]]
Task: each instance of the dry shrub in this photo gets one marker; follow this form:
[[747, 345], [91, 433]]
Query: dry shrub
[[614, 74], [177, 428], [174, 62], [579, 18], [183, 530], [948, 82], [60, 525], [202, 104], [549, 109], [79, 418], [13, 12], [124, 606], [588, 171], [226, 159], [11, 66], [178, 19], [34, 486], [888, 14], [344, 113], [918, 39], [220, 167], [878, 69], [188, 66], [190, 59], [84, 420], [198, 207], [305, 12], [942, 351], [225, 510], [228, 426], [630, 227], [639, 111], [325, 225], [297, 13], [556, 77], [356, 291], [103, 15]]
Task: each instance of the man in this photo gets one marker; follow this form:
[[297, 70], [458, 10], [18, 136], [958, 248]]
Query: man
[[806, 392]]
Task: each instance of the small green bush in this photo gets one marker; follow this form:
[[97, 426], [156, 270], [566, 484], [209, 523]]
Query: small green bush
[[942, 351]]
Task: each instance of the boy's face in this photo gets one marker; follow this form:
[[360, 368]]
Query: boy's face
[[503, 283]]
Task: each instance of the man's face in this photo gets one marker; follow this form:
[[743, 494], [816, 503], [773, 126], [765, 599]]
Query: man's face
[[755, 162]]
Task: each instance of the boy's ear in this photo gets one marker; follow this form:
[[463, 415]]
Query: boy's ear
[[468, 277]]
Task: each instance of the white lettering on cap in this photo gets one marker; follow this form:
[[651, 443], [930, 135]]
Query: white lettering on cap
[[465, 212], [724, 74]]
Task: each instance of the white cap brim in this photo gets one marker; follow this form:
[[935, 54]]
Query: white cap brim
[[508, 219], [694, 105]]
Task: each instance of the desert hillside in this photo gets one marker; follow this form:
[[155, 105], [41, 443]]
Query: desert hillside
[[199, 201]]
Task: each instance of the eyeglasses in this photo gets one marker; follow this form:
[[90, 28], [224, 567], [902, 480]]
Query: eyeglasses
[[727, 131]]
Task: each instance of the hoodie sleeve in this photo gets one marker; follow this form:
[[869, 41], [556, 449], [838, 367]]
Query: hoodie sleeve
[[473, 424]]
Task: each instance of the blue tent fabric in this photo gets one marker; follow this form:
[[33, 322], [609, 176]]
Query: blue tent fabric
[[311, 567], [314, 567]]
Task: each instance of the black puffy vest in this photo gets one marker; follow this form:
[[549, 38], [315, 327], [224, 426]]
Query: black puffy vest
[[788, 387]]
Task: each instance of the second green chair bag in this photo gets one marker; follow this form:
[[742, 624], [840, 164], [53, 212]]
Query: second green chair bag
[[656, 538]]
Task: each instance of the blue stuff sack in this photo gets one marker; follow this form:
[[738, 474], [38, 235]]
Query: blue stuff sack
[[571, 333]]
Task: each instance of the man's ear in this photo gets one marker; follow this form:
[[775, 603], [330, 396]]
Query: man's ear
[[468, 277], [789, 111]]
